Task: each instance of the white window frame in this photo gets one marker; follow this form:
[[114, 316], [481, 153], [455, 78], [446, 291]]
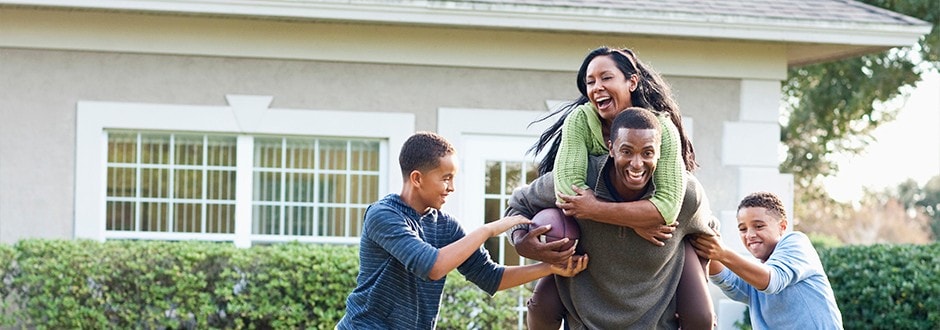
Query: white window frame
[[246, 115]]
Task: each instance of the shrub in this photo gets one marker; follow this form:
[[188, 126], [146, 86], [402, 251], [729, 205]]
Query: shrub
[[73, 284], [465, 306], [886, 286]]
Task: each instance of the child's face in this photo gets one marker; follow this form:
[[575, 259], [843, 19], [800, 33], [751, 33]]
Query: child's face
[[437, 183], [760, 231]]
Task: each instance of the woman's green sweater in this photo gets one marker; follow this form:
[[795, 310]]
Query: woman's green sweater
[[582, 135]]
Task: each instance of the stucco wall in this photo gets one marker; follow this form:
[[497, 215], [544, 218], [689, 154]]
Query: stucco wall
[[41, 88], [709, 103]]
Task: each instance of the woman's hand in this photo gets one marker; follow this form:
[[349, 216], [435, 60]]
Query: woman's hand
[[657, 234], [579, 205]]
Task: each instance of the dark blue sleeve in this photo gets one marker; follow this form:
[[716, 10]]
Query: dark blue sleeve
[[392, 231], [479, 268]]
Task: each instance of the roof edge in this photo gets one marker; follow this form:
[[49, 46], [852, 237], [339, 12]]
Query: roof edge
[[527, 17]]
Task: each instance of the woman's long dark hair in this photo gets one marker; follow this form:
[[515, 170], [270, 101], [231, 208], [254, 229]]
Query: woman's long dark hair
[[652, 92]]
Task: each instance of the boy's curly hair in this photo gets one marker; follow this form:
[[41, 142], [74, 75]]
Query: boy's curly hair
[[768, 201]]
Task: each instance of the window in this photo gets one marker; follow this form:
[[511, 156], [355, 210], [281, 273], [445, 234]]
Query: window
[[313, 187], [162, 182], [243, 173]]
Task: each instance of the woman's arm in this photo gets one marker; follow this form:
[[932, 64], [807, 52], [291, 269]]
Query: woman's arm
[[577, 141], [669, 176]]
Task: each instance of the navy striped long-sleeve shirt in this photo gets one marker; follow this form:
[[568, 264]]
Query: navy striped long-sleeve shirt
[[397, 250]]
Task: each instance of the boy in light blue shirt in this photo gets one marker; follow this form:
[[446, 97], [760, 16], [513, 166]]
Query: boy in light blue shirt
[[788, 289]]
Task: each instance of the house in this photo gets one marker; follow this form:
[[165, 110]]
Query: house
[[260, 121]]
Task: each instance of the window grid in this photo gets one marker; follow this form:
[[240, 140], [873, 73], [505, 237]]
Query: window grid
[[329, 178], [522, 173], [152, 157]]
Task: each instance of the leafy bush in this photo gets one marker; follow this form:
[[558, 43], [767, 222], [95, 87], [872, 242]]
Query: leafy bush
[[73, 284], [886, 286], [465, 306], [883, 286]]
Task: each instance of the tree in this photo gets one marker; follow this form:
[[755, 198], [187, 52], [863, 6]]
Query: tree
[[925, 200], [832, 108]]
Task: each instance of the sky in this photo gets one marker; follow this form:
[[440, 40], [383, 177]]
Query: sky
[[908, 147]]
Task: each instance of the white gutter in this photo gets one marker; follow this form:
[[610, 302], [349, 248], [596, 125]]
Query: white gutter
[[529, 17]]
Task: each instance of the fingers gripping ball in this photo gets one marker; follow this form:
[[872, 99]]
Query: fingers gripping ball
[[562, 226]]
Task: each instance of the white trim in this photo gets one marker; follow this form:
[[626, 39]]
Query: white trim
[[243, 181], [93, 117], [530, 17]]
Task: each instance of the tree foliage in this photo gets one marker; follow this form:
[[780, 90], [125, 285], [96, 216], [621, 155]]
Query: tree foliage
[[833, 107], [925, 200]]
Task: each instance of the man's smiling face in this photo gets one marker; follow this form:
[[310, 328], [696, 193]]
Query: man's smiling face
[[635, 153]]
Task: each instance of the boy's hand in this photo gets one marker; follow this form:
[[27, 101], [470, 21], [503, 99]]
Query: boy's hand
[[529, 246], [708, 246], [575, 265], [657, 234], [499, 226]]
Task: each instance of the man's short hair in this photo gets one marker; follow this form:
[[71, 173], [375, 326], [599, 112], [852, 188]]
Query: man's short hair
[[634, 118], [422, 152], [768, 201]]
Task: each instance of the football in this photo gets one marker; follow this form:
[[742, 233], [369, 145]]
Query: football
[[562, 226]]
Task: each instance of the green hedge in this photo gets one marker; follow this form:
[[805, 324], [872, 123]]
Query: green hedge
[[61, 284], [886, 286], [152, 284]]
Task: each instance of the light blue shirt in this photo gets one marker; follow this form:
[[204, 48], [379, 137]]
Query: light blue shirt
[[799, 295], [397, 249]]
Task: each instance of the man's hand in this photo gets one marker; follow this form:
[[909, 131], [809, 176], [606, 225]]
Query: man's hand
[[575, 265], [529, 246], [657, 234], [580, 205]]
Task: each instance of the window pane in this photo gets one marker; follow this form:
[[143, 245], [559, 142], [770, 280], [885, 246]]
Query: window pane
[[265, 220], [513, 176], [188, 218], [332, 221], [120, 215], [188, 184], [220, 218], [356, 217], [188, 150], [122, 182], [333, 188], [220, 185], [332, 155], [267, 152], [267, 186], [300, 220], [122, 148], [493, 171], [300, 153], [365, 188], [155, 148], [365, 155], [300, 187], [153, 183], [221, 151], [153, 217]]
